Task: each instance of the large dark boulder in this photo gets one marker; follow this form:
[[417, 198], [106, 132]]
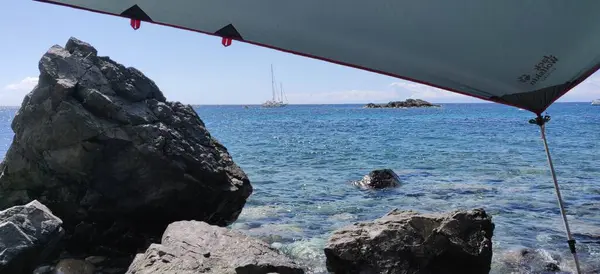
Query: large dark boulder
[[406, 242], [28, 235], [378, 179], [98, 143], [196, 247]]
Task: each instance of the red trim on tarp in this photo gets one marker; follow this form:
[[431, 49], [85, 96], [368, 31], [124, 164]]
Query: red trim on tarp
[[226, 41], [537, 112], [135, 23]]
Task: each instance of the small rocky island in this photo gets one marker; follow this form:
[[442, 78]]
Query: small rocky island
[[409, 103]]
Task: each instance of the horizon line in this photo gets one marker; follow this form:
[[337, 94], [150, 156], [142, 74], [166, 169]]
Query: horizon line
[[324, 104]]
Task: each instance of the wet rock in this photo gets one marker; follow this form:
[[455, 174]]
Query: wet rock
[[28, 235], [270, 239], [74, 266], [95, 259], [285, 233], [45, 269], [378, 179], [409, 103], [551, 267], [409, 242], [528, 260], [197, 247], [277, 245], [98, 143]]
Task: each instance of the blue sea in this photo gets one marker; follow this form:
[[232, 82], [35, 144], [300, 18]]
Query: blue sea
[[301, 158]]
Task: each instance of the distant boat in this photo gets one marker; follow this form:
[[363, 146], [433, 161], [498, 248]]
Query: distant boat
[[275, 102], [596, 102]]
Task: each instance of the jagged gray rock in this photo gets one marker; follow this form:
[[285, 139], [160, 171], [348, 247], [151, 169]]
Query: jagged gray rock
[[28, 234], [98, 143], [406, 242], [197, 247], [378, 179]]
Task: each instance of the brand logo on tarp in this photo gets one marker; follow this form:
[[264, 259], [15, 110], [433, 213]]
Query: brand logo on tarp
[[541, 71], [524, 78]]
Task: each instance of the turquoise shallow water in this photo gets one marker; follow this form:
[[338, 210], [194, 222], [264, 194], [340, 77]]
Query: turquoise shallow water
[[301, 158]]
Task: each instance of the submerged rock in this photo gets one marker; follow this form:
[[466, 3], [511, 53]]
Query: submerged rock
[[409, 242], [98, 143], [531, 261], [197, 247], [409, 103], [378, 179], [28, 234]]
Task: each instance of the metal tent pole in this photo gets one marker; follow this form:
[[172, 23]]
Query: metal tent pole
[[541, 121]]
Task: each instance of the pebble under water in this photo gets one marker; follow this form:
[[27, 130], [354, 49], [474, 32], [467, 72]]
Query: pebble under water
[[300, 160]]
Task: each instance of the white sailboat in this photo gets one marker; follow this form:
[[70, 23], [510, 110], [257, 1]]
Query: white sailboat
[[596, 102], [275, 101]]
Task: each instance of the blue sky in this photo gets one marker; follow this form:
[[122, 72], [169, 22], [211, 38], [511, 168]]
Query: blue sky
[[195, 68]]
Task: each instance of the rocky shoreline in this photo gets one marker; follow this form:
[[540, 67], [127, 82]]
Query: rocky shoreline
[[105, 175], [409, 103]]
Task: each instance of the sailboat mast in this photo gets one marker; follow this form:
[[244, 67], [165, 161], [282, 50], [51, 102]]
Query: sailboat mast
[[272, 82]]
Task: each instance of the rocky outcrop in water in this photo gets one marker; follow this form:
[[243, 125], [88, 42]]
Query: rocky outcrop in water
[[403, 242], [378, 179], [28, 235], [196, 247], [98, 143], [409, 103]]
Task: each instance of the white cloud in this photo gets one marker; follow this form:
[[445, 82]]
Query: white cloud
[[428, 93], [584, 92], [343, 97], [12, 94], [401, 90], [26, 84]]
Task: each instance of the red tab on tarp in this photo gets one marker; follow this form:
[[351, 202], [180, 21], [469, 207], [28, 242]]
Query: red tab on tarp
[[226, 42], [135, 23]]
